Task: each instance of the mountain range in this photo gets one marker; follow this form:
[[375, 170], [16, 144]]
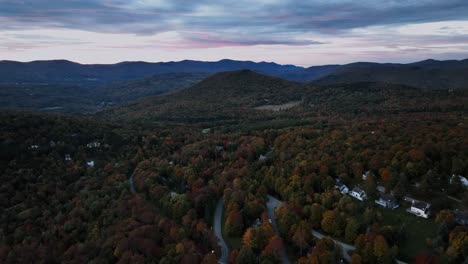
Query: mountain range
[[70, 87]]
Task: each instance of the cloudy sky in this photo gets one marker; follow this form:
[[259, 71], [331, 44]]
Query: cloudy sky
[[302, 32]]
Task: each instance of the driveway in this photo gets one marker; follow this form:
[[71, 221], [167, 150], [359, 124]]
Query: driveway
[[272, 203], [218, 230]]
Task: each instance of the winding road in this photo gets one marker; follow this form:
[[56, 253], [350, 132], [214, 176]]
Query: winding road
[[272, 203], [132, 184], [345, 248], [218, 230]]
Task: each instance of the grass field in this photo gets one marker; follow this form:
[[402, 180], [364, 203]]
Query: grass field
[[418, 230]]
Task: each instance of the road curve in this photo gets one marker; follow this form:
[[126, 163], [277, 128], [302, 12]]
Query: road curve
[[345, 248], [218, 230], [272, 203]]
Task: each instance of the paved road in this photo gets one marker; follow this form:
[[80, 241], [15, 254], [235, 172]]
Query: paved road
[[345, 248], [218, 230], [272, 203], [132, 185]]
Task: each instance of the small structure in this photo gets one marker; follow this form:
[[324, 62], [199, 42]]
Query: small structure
[[420, 208], [257, 223], [90, 163], [68, 157], [463, 180], [94, 144], [219, 149], [358, 193], [387, 201], [367, 174], [206, 130], [461, 217], [262, 158], [34, 147], [380, 189], [341, 187]]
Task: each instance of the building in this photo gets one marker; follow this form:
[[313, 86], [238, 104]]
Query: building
[[68, 157], [367, 174], [420, 208], [463, 180], [206, 130], [94, 144], [380, 189], [358, 193], [90, 163], [341, 187], [387, 201]]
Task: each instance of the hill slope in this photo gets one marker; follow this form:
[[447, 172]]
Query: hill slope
[[221, 96], [429, 74]]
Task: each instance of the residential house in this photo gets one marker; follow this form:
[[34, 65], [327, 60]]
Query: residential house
[[90, 163], [358, 193], [206, 130], [68, 157], [380, 189], [341, 187], [367, 174], [420, 208], [94, 144], [262, 158], [463, 180], [387, 201], [34, 147]]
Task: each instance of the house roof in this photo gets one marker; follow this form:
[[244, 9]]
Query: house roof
[[358, 190], [388, 197], [420, 205], [339, 184]]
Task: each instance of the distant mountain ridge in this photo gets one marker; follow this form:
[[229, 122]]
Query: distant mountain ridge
[[63, 71], [427, 74]]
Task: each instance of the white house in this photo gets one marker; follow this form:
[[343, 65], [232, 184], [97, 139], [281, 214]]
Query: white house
[[358, 193], [463, 180], [387, 201], [90, 163], [94, 144], [367, 174], [341, 187], [420, 208], [68, 157]]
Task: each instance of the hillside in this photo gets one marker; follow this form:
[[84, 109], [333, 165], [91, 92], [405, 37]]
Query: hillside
[[222, 96], [246, 95], [428, 74], [69, 98]]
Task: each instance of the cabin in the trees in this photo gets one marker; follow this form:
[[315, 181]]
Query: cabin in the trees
[[341, 187], [461, 217], [420, 208], [358, 193], [94, 144], [462, 179], [387, 201], [367, 174]]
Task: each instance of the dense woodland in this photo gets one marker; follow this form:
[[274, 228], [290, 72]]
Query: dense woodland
[[159, 170]]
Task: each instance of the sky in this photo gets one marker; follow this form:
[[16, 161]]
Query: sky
[[300, 32]]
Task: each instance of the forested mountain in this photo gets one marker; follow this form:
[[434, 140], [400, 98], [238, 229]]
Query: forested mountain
[[67, 72], [68, 98], [168, 178], [428, 74]]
